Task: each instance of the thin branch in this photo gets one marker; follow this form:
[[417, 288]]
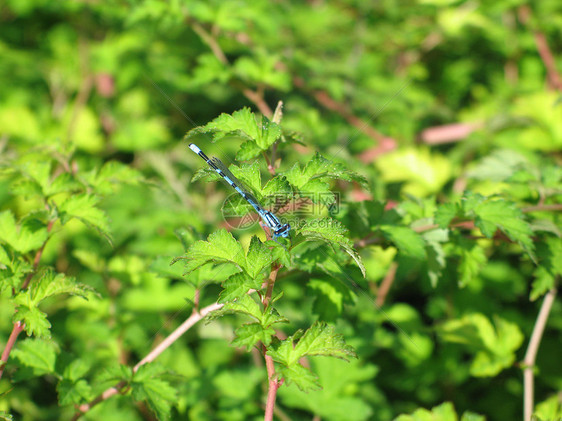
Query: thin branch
[[19, 326], [531, 354], [152, 355], [210, 41], [386, 284], [254, 96], [16, 330], [274, 385], [543, 49], [539, 208], [273, 381], [85, 88], [343, 110], [37, 257]]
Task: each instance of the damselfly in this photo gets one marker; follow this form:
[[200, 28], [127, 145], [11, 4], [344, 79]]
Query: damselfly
[[279, 229]]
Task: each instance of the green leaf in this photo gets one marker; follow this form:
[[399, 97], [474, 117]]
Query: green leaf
[[277, 186], [445, 214], [340, 397], [472, 260], [76, 370], [71, 392], [303, 378], [30, 235], [49, 284], [333, 233], [64, 183], [249, 174], [499, 214], [313, 178], [330, 296], [248, 150], [471, 416], [409, 242], [422, 171], [244, 124], [38, 354], [435, 261], [443, 412], [319, 339], [36, 323], [220, 247], [249, 335], [259, 257], [147, 385], [495, 346], [4, 416], [83, 207], [112, 175], [237, 286], [45, 285], [549, 409], [243, 305]]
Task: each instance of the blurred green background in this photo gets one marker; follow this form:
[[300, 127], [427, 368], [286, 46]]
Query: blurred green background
[[425, 98]]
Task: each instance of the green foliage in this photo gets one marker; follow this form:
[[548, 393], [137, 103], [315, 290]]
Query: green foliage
[[416, 157]]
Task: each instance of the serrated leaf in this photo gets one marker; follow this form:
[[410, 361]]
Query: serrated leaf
[[29, 235], [472, 260], [277, 186], [36, 323], [113, 174], [333, 233], [249, 175], [76, 369], [499, 214], [250, 334], [314, 176], [49, 284], [319, 339], [220, 247], [237, 286], [64, 183], [409, 242], [83, 207], [443, 412], [70, 392], [445, 214], [303, 378], [248, 150], [244, 124], [259, 257], [243, 305], [158, 394], [38, 354]]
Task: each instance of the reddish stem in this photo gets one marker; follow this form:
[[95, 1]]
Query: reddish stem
[[274, 385], [16, 330], [273, 382]]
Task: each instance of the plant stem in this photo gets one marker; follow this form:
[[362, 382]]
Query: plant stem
[[273, 382], [274, 385], [531, 354], [255, 96], [538, 208], [16, 330], [151, 356], [386, 284]]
